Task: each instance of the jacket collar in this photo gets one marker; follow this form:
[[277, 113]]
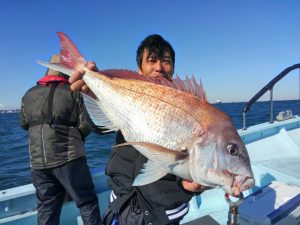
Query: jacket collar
[[52, 79]]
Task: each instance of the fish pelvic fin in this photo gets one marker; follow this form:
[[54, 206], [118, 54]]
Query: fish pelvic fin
[[69, 53], [149, 174], [97, 115]]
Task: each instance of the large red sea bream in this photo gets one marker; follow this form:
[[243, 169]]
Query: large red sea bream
[[170, 122]]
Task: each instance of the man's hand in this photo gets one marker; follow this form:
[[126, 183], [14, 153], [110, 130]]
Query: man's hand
[[192, 186], [77, 84]]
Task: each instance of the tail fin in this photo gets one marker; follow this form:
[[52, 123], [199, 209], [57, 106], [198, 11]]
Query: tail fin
[[57, 66], [70, 57], [69, 54]]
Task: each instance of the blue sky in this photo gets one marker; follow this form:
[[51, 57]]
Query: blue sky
[[235, 47]]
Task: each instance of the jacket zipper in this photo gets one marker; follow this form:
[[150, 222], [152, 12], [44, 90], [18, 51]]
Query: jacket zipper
[[43, 147]]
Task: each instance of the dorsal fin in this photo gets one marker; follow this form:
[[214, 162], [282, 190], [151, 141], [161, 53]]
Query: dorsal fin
[[198, 91], [180, 84], [188, 85], [120, 73], [202, 92]]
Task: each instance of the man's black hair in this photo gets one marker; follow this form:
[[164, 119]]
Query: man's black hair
[[156, 46]]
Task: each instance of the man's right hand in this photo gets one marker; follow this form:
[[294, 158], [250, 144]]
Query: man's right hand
[[78, 84]]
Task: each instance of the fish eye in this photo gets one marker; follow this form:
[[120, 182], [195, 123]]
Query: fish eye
[[232, 149]]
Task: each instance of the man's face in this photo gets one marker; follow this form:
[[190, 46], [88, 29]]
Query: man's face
[[156, 67]]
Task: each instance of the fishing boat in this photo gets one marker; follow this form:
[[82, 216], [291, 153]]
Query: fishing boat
[[274, 149]]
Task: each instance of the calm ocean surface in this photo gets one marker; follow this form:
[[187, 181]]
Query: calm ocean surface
[[14, 160]]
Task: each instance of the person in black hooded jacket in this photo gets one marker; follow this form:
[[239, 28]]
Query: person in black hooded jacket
[[58, 124]]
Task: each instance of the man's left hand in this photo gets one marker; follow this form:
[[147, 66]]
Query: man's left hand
[[192, 186]]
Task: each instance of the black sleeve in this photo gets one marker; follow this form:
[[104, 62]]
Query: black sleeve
[[23, 121], [121, 167]]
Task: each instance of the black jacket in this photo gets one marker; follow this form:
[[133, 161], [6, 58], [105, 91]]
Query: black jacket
[[155, 198], [57, 122]]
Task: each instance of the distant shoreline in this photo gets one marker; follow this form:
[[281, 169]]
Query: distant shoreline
[[229, 102], [9, 110]]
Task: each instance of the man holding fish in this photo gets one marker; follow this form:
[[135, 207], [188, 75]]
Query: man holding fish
[[170, 122], [167, 198]]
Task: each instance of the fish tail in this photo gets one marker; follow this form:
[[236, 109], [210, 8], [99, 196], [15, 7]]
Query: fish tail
[[69, 53], [70, 57]]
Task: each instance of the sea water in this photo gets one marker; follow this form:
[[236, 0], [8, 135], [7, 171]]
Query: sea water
[[14, 160]]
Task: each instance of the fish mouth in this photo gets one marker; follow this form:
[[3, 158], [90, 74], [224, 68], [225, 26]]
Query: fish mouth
[[240, 183]]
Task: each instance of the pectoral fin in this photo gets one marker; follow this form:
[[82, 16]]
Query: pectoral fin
[[161, 161], [97, 115], [149, 174], [157, 153]]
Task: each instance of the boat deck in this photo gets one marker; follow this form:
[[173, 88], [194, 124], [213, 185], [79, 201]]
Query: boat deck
[[277, 157]]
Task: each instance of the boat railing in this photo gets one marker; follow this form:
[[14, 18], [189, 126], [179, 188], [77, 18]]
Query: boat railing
[[268, 87]]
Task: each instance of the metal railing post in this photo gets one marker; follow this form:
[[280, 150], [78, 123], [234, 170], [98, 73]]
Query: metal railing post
[[244, 121], [271, 105], [269, 87]]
